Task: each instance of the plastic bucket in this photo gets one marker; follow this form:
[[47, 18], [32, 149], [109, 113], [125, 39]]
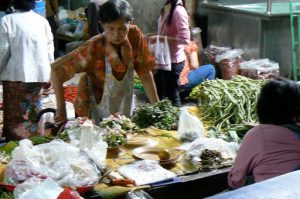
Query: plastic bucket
[[40, 8]]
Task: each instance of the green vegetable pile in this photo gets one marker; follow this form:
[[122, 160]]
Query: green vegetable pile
[[137, 83], [228, 104], [118, 121], [114, 137], [161, 115]]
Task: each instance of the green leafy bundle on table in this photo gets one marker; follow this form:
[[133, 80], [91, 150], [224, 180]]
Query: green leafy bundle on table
[[228, 104], [161, 115], [114, 137], [118, 121]]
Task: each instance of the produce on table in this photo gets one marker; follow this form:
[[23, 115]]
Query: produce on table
[[228, 104], [137, 83], [114, 137], [211, 157], [118, 121], [161, 115]]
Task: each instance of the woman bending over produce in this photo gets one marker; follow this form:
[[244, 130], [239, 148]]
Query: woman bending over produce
[[273, 147], [109, 61]]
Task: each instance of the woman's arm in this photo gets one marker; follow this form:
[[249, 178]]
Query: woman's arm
[[61, 114], [64, 69], [149, 86]]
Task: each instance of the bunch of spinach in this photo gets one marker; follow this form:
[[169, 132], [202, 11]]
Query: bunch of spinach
[[161, 115]]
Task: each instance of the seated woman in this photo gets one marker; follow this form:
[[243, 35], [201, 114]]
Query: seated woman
[[109, 61], [273, 147], [192, 75]]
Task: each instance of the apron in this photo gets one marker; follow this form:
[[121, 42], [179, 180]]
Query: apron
[[117, 95]]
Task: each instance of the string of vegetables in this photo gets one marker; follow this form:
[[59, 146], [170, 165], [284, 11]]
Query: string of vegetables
[[228, 103]]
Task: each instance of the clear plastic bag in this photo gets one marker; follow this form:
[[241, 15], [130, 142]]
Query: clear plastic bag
[[189, 127], [35, 188], [259, 69], [62, 162], [229, 63], [161, 52], [138, 194]]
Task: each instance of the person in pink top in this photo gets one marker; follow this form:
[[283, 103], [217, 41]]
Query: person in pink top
[[273, 147], [174, 23]]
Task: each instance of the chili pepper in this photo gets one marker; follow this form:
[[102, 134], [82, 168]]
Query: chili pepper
[[123, 182]]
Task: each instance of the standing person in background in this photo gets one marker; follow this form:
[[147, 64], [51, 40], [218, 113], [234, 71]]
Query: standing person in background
[[173, 23], [53, 19], [109, 61], [26, 51], [94, 27]]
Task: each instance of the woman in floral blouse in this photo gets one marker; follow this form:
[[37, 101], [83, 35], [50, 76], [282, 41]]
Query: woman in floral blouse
[[109, 61]]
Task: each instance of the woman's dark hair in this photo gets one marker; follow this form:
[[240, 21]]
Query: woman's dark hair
[[279, 102], [24, 5], [173, 6], [113, 10]]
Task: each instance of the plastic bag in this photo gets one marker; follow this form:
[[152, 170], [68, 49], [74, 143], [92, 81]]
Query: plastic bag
[[36, 189], [140, 194], [228, 150], [64, 163], [189, 127], [208, 55], [229, 63], [259, 69], [161, 52]]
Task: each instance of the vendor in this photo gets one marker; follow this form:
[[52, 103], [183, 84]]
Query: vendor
[[109, 61], [273, 147]]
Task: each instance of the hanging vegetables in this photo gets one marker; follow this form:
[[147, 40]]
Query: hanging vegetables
[[228, 104]]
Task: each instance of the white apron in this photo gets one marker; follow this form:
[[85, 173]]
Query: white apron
[[117, 95]]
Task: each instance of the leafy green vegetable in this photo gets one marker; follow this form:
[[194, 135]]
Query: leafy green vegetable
[[9, 147], [161, 115]]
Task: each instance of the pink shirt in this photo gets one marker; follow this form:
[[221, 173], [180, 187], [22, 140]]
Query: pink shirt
[[179, 28], [266, 151]]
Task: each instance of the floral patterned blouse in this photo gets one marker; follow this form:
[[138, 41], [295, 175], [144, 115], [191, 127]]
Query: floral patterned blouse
[[90, 58]]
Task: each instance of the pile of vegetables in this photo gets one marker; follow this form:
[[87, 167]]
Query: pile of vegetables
[[161, 115], [118, 121], [228, 104], [114, 137], [137, 83]]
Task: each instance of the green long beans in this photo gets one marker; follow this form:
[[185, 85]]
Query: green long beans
[[228, 103]]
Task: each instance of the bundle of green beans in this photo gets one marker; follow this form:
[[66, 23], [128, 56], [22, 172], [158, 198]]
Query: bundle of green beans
[[228, 104]]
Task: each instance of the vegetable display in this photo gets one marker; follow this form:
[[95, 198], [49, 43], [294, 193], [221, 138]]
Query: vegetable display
[[118, 121], [114, 137], [161, 115], [228, 104]]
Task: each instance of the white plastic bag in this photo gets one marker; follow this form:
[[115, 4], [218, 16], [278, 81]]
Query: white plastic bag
[[161, 52], [189, 127], [35, 189]]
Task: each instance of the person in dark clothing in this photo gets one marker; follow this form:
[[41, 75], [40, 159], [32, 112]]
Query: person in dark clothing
[[92, 12]]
